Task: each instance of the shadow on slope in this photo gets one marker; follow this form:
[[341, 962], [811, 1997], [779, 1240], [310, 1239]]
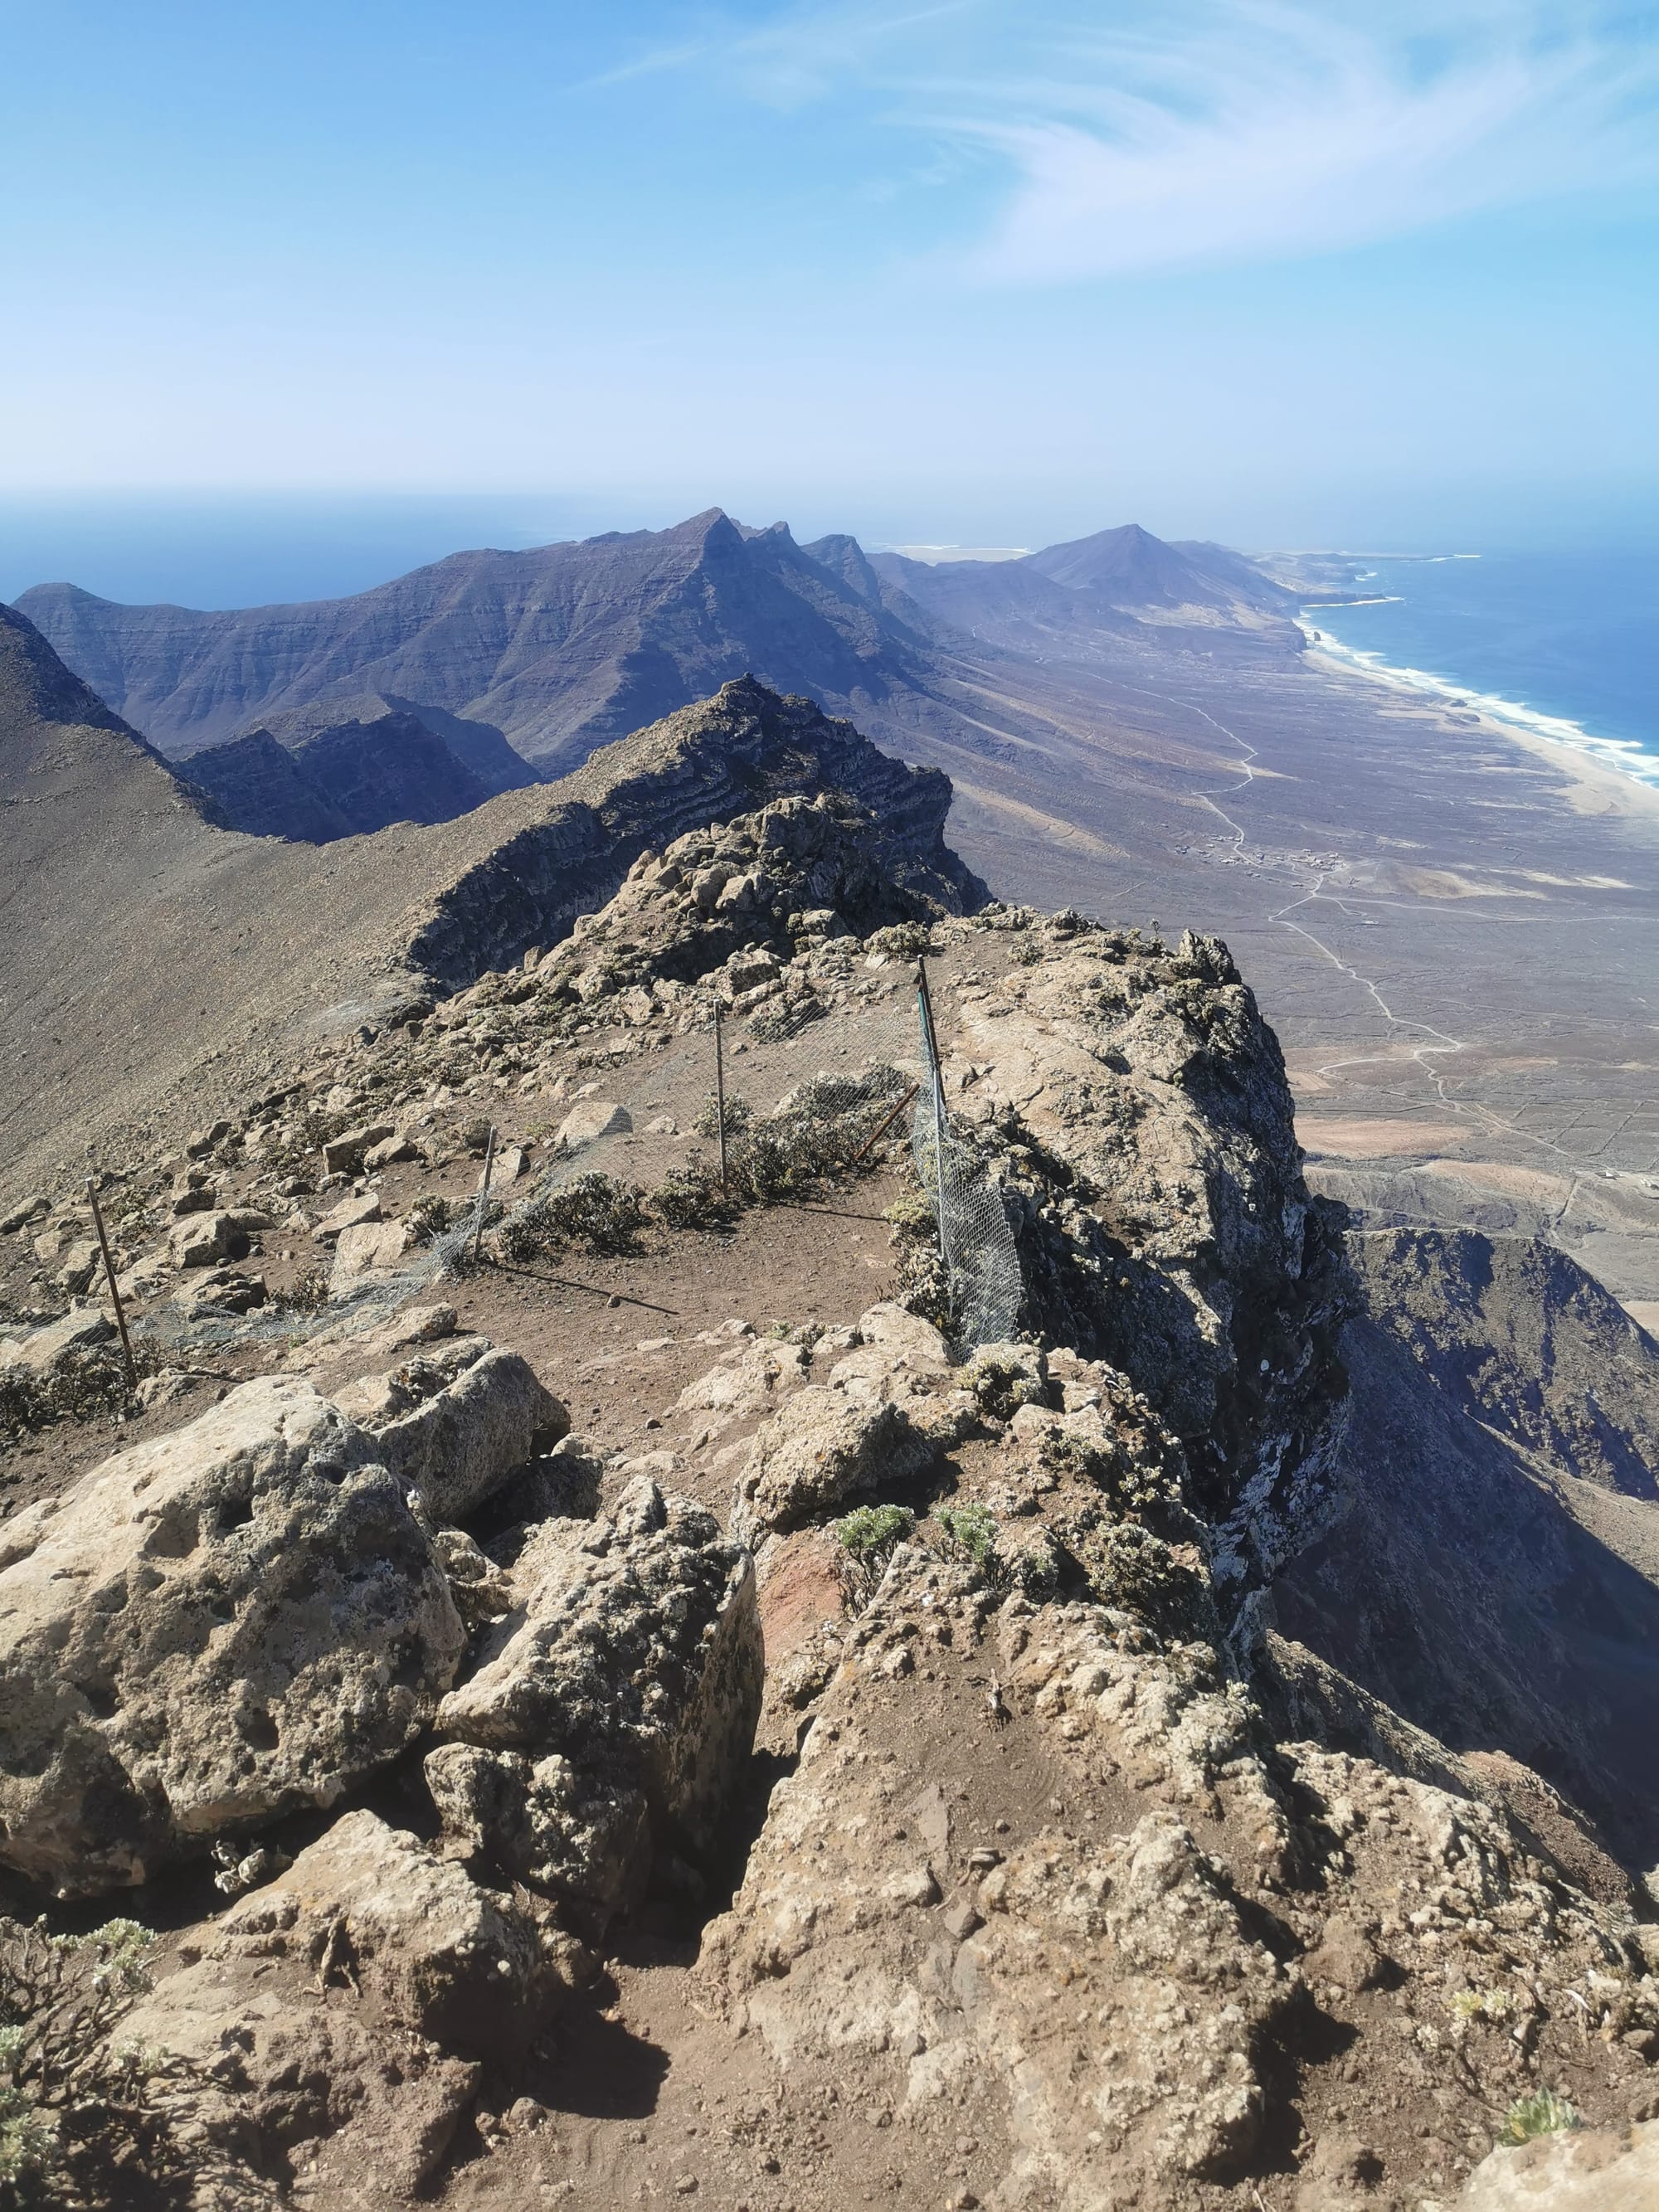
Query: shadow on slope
[[1477, 1583]]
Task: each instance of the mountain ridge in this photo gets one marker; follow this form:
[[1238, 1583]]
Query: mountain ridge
[[564, 647]]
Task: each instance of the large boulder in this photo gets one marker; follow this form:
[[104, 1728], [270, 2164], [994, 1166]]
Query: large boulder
[[444, 1957], [208, 1630], [353, 1999], [615, 1706], [40, 1349], [820, 1446], [1599, 2170], [459, 1444]]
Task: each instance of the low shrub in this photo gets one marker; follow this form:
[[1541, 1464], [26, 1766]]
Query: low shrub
[[434, 1216], [872, 1528], [306, 1294], [86, 1386], [866, 1540], [972, 1529], [1542, 2113], [86, 2120], [594, 1211], [738, 1115], [691, 1197]]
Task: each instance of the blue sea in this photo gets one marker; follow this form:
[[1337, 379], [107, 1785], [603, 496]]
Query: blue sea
[[1566, 646], [252, 551]]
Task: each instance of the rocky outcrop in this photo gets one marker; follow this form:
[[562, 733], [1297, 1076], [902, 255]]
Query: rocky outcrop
[[728, 755], [1132, 1103], [1604, 2170], [259, 787], [1098, 1908], [1524, 1339], [353, 1999], [207, 1630], [613, 1707], [452, 1428], [820, 1449]]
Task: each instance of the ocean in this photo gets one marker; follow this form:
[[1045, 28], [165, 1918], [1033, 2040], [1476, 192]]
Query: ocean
[[1566, 646], [250, 551]]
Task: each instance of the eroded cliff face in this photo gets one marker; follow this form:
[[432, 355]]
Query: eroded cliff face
[[1132, 1101]]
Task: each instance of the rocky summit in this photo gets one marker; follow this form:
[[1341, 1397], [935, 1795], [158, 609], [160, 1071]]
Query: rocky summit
[[571, 1667]]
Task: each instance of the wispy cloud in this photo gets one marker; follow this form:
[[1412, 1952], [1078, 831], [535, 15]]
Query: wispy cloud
[[1246, 131], [1213, 131]]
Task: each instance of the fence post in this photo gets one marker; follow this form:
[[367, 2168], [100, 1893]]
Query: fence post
[[484, 1193], [930, 1037], [720, 1089], [115, 1295]]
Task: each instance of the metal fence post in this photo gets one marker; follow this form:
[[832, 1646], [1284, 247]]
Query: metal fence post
[[115, 1295], [484, 1193], [930, 1036]]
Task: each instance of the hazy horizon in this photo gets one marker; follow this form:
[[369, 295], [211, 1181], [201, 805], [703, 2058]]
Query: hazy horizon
[[255, 549]]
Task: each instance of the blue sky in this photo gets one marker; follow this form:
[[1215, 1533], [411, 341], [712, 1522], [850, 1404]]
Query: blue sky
[[995, 273]]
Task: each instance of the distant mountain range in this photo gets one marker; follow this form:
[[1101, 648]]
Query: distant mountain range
[[419, 699]]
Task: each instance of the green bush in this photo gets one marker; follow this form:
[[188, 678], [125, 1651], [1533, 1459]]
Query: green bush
[[867, 1539], [306, 1294], [871, 1528], [604, 1216], [86, 1386], [86, 2120], [738, 1115], [972, 1529], [691, 1197], [1542, 2113], [434, 1216]]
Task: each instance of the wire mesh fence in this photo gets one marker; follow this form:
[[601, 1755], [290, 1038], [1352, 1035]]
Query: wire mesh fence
[[809, 1091]]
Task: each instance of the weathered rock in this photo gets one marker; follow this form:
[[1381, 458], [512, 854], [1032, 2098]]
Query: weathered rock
[[1005, 1377], [1598, 2170], [614, 1706], [461, 1444], [904, 1334], [368, 1248], [33, 1208], [820, 1446], [748, 1379], [204, 1239], [389, 1150], [208, 1630], [593, 1119], [42, 1348], [345, 1154], [77, 1264], [349, 1213], [445, 1958], [350, 2000]]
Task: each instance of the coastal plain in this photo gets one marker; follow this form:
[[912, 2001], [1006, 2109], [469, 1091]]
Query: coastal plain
[[1452, 927]]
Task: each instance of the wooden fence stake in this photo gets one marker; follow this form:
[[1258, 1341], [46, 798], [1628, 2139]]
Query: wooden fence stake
[[719, 1090], [115, 1295]]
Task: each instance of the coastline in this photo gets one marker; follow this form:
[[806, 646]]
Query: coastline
[[1616, 770]]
